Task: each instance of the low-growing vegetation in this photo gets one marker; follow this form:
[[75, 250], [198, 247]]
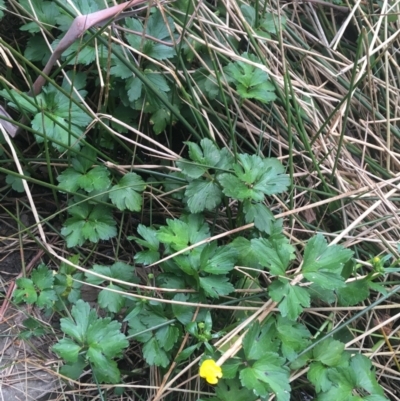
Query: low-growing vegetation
[[221, 179]]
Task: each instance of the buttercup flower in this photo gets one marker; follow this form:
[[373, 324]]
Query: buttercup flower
[[210, 371]]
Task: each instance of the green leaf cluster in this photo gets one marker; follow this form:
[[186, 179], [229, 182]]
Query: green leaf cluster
[[137, 95], [266, 350], [109, 297], [83, 174], [89, 221], [322, 266], [337, 375], [156, 27], [212, 173], [251, 81], [204, 268], [267, 24], [38, 289], [90, 340], [57, 117], [149, 324]]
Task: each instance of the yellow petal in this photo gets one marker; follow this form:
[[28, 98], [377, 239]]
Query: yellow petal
[[210, 371]]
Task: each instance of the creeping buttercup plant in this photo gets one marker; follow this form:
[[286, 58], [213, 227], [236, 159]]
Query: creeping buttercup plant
[[164, 310], [270, 350]]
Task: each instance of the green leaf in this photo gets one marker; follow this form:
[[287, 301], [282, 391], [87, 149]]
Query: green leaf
[[95, 179], [318, 256], [147, 257], [25, 291], [22, 101], [133, 87], [247, 254], [185, 354], [175, 183], [77, 327], [154, 354], [318, 376], [111, 300], [203, 157], [219, 260], [191, 169], [150, 241], [364, 373], [2, 7], [353, 293], [229, 390], [37, 50], [249, 379], [46, 298], [158, 80], [137, 329], [126, 194], [160, 119], [291, 299], [249, 13], [182, 312], [65, 285], [230, 369], [150, 237], [272, 21], [67, 349], [82, 54], [216, 286], [42, 277], [339, 392], [167, 280], [105, 335], [16, 182], [60, 119], [207, 154], [156, 28], [176, 234], [167, 336], [343, 376], [44, 11], [321, 294], [211, 86], [73, 371], [301, 361], [104, 369], [88, 222], [120, 70], [257, 340], [258, 214], [198, 230], [85, 160], [254, 178], [328, 352], [69, 180], [267, 374], [118, 270], [251, 82], [274, 254], [236, 189], [294, 336], [203, 195]]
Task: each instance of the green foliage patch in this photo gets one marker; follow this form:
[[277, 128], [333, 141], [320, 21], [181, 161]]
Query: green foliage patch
[[159, 304]]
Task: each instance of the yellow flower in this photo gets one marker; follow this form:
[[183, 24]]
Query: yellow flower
[[210, 371]]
